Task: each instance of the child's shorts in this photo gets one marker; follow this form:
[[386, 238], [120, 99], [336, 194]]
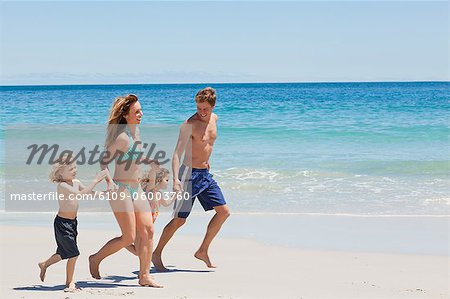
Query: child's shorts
[[66, 237]]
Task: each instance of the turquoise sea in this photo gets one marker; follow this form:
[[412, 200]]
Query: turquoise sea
[[327, 148]]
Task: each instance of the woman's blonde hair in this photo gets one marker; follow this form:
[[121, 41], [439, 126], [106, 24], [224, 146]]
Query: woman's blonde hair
[[116, 121], [59, 166]]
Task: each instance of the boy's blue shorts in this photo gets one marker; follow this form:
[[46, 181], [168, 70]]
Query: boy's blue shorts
[[199, 183]]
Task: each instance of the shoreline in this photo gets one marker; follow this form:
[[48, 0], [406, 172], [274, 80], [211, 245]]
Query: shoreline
[[417, 235]]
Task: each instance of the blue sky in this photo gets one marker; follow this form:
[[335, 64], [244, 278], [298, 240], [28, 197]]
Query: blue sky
[[183, 42]]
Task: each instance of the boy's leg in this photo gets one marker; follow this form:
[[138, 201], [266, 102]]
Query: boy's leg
[[45, 264], [69, 273], [166, 235], [222, 213]]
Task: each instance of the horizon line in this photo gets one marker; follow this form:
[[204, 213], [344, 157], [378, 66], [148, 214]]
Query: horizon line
[[220, 83]]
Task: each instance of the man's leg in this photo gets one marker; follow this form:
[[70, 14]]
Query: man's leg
[[222, 213], [166, 235]]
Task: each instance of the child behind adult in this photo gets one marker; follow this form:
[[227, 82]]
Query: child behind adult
[[152, 182], [65, 224]]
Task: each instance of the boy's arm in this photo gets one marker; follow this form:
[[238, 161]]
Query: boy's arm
[[82, 189], [179, 150]]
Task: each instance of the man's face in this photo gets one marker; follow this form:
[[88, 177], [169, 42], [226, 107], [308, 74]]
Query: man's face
[[204, 110]]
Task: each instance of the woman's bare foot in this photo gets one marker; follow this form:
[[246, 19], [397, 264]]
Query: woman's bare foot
[[157, 262], [71, 288], [93, 267], [43, 270], [147, 281], [203, 256]]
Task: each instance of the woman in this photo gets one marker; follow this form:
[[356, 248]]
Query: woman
[[131, 209]]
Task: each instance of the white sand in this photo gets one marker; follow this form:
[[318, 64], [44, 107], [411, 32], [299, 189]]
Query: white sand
[[247, 269]]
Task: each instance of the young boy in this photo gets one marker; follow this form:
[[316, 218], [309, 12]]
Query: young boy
[[65, 224]]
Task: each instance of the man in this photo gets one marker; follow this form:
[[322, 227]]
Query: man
[[196, 141]]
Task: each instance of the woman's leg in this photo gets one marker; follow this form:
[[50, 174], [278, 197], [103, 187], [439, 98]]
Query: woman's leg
[[144, 246], [126, 220]]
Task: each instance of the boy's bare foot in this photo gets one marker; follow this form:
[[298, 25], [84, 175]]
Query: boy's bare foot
[[203, 256], [147, 281], [157, 262], [71, 288], [43, 270], [93, 267]]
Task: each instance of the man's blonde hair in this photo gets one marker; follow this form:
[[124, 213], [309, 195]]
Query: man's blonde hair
[[207, 94]]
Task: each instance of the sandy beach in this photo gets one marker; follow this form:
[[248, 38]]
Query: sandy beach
[[315, 135], [247, 269]]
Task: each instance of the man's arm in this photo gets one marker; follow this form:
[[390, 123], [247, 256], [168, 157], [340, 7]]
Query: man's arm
[[183, 139], [215, 119]]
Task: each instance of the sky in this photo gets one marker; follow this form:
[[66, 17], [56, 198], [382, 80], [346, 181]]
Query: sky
[[210, 42]]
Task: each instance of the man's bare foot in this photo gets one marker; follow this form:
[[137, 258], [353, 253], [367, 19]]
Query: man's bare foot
[[93, 267], [147, 281], [157, 262], [203, 256], [43, 270], [71, 288]]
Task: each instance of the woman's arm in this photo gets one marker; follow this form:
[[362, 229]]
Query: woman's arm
[[117, 146]]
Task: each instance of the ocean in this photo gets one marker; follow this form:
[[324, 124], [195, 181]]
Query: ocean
[[306, 148]]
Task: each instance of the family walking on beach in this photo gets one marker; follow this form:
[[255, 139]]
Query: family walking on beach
[[139, 208]]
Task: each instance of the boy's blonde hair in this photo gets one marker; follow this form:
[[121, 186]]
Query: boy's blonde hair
[[160, 174], [59, 166]]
